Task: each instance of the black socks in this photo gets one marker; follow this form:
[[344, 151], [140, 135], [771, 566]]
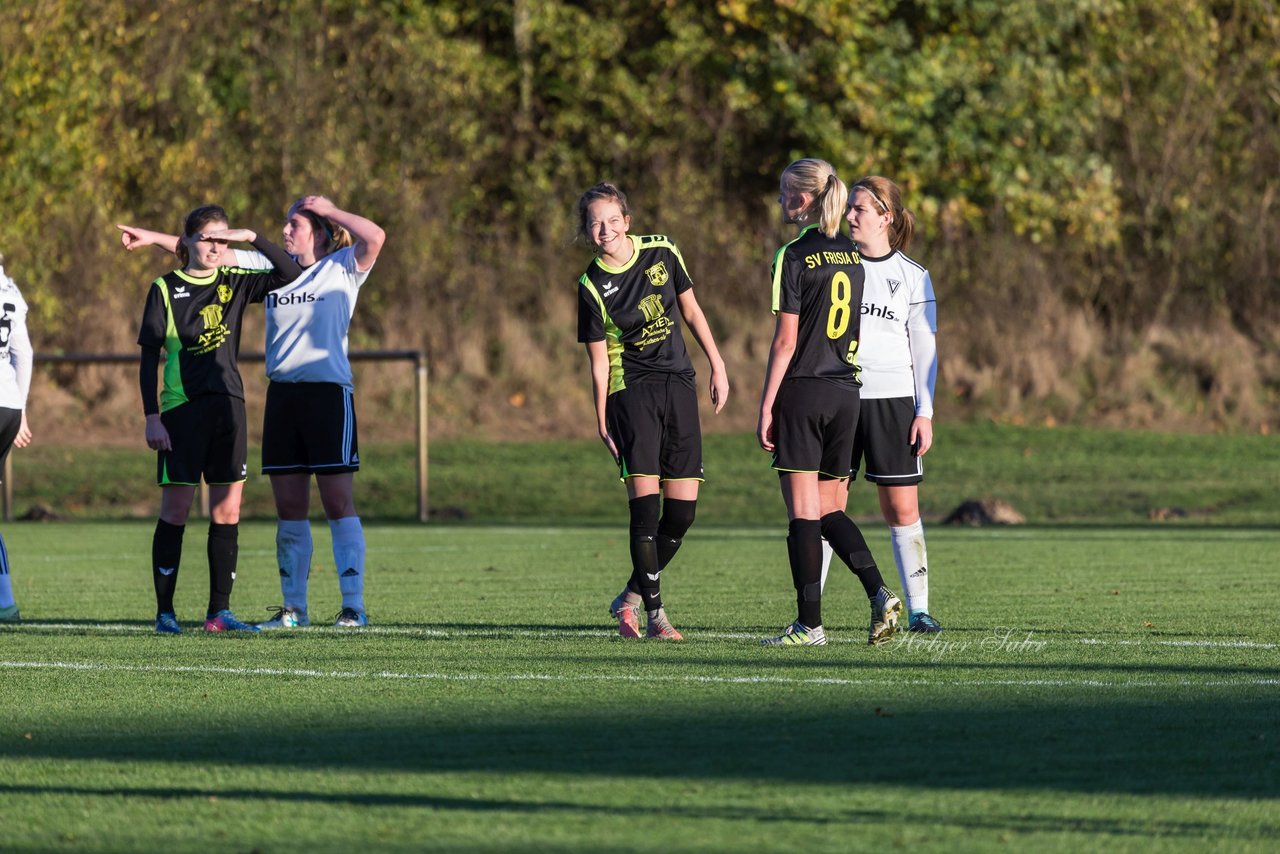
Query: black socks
[[847, 542], [166, 555], [223, 550]]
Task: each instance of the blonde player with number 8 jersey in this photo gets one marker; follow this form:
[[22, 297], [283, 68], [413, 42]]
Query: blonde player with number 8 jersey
[[809, 407]]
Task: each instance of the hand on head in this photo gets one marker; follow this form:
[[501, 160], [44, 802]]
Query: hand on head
[[318, 205], [229, 235]]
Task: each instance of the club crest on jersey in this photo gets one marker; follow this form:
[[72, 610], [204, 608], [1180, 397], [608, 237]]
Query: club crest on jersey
[[658, 274], [894, 284], [224, 294]]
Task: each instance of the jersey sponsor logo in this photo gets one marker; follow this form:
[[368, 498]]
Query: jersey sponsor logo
[[180, 292], [224, 294], [658, 325], [881, 311], [658, 274], [894, 284], [651, 307], [274, 300], [215, 330]]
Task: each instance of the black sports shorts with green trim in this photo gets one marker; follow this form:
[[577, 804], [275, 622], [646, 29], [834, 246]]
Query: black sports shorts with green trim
[[209, 437], [10, 424], [654, 423], [813, 424], [882, 441], [309, 428]]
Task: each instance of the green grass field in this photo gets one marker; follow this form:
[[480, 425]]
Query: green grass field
[[1099, 687]]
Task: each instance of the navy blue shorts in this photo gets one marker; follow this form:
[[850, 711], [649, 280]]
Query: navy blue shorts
[[309, 428], [882, 442]]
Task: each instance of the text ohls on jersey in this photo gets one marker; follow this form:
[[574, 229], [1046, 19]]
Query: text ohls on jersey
[[274, 300], [817, 259]]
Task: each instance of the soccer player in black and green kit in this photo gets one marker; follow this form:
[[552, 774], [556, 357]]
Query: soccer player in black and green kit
[[197, 424], [630, 302], [809, 407]]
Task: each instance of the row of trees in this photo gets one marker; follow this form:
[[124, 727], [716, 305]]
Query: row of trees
[[1094, 179]]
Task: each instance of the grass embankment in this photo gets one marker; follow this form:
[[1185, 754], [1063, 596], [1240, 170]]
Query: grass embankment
[[1049, 475]]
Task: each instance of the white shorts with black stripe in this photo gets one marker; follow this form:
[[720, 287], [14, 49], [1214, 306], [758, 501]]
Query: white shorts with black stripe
[[309, 428], [882, 442]]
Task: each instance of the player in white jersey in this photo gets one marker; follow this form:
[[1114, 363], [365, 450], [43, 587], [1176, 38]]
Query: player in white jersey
[[309, 427], [899, 358], [15, 381]]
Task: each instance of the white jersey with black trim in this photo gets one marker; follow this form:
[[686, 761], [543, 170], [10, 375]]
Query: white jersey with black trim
[[898, 349], [15, 346], [307, 321]]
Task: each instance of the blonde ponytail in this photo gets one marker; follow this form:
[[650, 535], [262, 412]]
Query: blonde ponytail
[[829, 196]]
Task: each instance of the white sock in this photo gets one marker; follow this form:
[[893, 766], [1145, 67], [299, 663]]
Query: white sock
[[913, 561], [6, 591], [348, 559], [827, 553], [293, 555]]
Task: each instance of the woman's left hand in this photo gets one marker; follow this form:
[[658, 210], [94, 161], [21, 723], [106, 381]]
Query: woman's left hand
[[230, 235], [24, 433], [719, 389], [318, 205], [921, 435]]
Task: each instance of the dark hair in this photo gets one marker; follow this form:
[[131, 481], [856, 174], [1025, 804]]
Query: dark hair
[[603, 190], [888, 198], [194, 224]]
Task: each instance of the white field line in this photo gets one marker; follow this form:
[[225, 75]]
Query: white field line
[[621, 677], [924, 642]]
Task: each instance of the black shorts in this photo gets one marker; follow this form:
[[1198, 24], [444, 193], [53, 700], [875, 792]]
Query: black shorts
[[309, 428], [655, 426], [209, 438], [813, 423], [10, 424], [883, 442]]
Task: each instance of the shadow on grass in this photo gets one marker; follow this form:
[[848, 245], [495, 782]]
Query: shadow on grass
[[1220, 745], [1022, 823]]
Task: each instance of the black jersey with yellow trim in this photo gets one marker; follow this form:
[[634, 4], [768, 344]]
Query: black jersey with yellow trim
[[821, 279], [634, 309], [196, 321]]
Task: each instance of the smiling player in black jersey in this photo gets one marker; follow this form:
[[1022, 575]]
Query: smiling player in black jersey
[[630, 303], [809, 406]]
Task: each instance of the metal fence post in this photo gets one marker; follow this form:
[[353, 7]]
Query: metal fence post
[[420, 368]]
